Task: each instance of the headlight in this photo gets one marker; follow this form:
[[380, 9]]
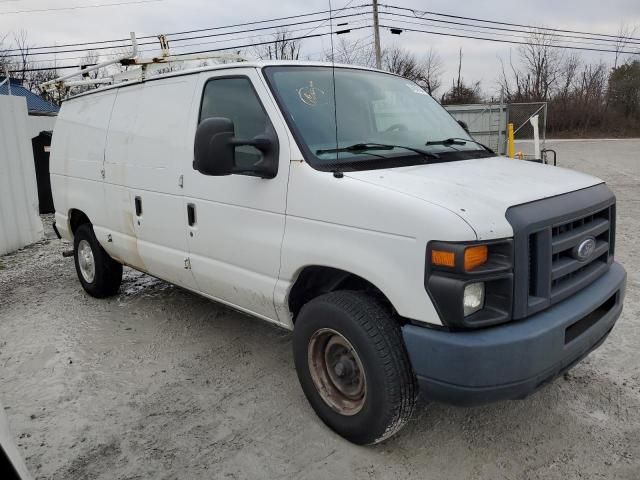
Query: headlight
[[473, 299], [470, 283]]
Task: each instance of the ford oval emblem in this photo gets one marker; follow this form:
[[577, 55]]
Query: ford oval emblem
[[583, 251]]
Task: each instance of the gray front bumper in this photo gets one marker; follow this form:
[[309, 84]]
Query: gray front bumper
[[513, 360]]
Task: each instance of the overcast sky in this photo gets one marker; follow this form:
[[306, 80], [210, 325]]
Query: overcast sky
[[480, 59]]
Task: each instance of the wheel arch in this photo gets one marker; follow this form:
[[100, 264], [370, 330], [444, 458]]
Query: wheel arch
[[315, 280], [76, 218]]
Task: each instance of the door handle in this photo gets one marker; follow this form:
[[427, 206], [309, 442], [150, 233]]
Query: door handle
[[191, 214], [138, 202]]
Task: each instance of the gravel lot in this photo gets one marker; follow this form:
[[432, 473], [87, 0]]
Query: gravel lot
[[159, 383]]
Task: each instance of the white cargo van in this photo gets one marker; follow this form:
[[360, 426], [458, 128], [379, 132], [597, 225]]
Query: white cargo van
[[403, 255]]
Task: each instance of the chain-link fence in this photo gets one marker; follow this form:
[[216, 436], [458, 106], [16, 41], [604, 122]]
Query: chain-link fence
[[487, 123], [520, 115]]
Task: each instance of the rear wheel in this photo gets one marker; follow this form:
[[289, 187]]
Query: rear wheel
[[353, 366], [99, 274]]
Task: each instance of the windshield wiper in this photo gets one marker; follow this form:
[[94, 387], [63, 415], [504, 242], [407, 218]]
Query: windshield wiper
[[362, 147], [458, 141], [447, 141]]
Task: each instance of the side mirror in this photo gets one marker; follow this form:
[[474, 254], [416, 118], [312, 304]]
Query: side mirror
[[215, 144], [214, 153], [464, 125]]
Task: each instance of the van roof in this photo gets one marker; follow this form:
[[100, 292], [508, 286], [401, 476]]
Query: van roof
[[258, 64]]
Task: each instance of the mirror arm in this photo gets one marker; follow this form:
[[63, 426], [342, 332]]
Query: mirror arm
[[262, 144], [269, 149]]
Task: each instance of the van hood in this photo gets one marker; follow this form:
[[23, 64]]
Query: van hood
[[479, 191]]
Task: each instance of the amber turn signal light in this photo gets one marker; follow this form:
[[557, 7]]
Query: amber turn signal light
[[475, 256], [442, 258]]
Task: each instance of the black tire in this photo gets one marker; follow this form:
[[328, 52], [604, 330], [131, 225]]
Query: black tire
[[108, 273], [391, 388]]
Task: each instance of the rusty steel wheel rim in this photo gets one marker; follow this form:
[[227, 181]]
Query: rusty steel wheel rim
[[336, 371]]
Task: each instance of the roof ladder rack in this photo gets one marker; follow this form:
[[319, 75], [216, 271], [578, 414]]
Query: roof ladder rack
[[131, 59]]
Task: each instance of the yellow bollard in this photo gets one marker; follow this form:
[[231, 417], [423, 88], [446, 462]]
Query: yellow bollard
[[511, 148]]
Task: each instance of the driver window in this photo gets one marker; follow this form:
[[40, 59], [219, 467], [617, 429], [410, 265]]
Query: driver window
[[235, 98]]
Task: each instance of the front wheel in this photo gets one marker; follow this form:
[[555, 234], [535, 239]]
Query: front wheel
[[99, 274], [353, 366]]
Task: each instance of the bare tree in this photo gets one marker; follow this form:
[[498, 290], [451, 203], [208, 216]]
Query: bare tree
[[507, 86], [542, 61], [40, 76], [402, 62], [538, 72], [460, 92], [426, 71], [625, 33], [5, 60], [29, 73], [91, 58], [432, 71], [283, 47], [21, 64], [568, 74], [357, 52]]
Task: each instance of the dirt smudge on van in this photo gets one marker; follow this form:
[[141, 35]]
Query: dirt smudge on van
[[131, 243], [129, 223]]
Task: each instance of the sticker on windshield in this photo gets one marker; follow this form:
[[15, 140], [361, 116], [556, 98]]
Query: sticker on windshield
[[311, 95], [416, 89]]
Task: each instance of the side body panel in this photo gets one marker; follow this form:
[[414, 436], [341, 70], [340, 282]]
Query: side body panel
[[235, 243], [146, 149], [366, 230], [77, 155]]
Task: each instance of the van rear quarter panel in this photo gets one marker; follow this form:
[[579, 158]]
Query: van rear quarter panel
[[77, 155]]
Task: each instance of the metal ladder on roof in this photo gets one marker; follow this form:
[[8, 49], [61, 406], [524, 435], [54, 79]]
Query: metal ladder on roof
[[131, 58]]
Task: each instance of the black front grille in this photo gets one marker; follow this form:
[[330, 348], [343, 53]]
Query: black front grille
[[545, 235], [566, 274]]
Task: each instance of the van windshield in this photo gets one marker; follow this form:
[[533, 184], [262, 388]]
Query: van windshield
[[380, 120]]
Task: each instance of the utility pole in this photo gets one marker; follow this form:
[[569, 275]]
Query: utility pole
[[376, 34]]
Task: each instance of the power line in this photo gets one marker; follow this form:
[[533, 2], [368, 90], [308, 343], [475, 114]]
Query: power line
[[233, 47], [426, 12], [522, 36], [502, 29], [356, 48], [78, 7], [508, 41], [271, 27], [368, 44], [256, 22], [358, 22], [330, 17], [321, 12], [302, 37], [304, 22]]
